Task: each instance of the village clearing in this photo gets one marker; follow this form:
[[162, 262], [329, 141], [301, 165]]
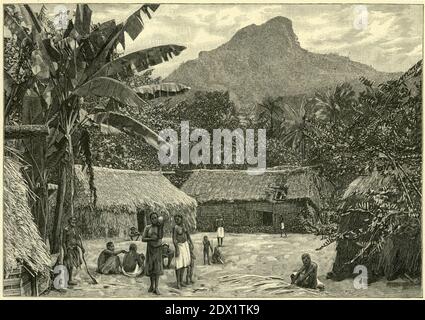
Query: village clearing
[[256, 265]]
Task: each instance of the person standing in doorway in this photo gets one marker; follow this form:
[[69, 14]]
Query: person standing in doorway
[[219, 222]]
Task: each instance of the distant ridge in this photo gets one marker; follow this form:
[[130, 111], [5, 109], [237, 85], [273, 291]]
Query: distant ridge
[[267, 59]]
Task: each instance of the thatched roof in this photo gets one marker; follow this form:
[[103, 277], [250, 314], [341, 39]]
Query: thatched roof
[[238, 185], [22, 241], [130, 191], [363, 185]]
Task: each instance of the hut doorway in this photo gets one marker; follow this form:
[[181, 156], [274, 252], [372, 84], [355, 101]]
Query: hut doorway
[[141, 220], [267, 218]]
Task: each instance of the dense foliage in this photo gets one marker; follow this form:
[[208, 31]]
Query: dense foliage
[[50, 69], [372, 132], [376, 134]]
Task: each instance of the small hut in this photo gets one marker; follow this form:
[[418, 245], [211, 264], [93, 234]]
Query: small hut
[[255, 203], [125, 199], [400, 253], [26, 260]]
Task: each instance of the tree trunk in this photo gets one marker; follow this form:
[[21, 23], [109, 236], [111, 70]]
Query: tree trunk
[[59, 210], [43, 202], [41, 210], [271, 123], [65, 198], [25, 131], [46, 211], [71, 175]]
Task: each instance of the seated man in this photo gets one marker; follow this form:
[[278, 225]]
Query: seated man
[[306, 277], [133, 262], [167, 253], [134, 234], [217, 257], [108, 261]]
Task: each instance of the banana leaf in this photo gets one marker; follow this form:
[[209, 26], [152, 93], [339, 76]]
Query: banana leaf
[[128, 125], [111, 88], [152, 91], [140, 60]]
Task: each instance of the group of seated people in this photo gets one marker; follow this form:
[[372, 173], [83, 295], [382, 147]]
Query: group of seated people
[[110, 263], [132, 264]]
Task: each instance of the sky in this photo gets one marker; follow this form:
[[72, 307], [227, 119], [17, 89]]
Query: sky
[[386, 37]]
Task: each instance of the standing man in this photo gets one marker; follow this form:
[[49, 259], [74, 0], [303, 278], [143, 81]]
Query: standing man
[[72, 247], [282, 227], [219, 222]]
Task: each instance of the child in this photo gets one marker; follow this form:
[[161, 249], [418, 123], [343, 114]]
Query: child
[[167, 253], [134, 234], [207, 246], [190, 268], [219, 223], [217, 257]]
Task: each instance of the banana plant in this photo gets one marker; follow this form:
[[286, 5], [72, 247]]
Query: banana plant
[[70, 64]]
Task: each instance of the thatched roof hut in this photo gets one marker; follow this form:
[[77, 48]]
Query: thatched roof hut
[[257, 203], [362, 185], [400, 252], [238, 185], [22, 242], [122, 195]]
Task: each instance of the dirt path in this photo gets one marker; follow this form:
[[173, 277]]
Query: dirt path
[[257, 265]]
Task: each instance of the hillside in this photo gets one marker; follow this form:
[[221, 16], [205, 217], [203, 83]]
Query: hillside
[[267, 59]]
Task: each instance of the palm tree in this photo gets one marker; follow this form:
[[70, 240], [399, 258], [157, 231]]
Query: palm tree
[[271, 115], [66, 67], [332, 105], [295, 125]]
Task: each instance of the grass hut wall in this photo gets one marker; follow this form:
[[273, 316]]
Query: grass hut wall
[[125, 199], [254, 203], [26, 260], [400, 254]]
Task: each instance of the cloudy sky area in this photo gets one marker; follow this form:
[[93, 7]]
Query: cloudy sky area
[[390, 41]]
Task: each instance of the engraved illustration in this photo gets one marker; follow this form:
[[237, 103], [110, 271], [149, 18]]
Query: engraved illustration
[[212, 150]]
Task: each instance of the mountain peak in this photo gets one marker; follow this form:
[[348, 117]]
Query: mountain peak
[[279, 20], [277, 30], [267, 59]]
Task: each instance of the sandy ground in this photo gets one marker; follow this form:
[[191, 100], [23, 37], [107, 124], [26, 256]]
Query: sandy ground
[[256, 265]]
